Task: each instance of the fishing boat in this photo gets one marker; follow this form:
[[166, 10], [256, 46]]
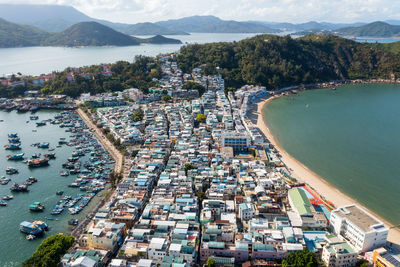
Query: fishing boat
[[13, 135], [36, 207], [4, 180], [41, 224], [43, 145], [59, 193], [40, 123], [30, 228], [11, 170], [35, 163], [16, 156], [14, 140], [3, 203], [13, 147], [64, 173], [31, 180], [19, 188], [30, 237], [36, 156], [34, 117], [8, 197], [73, 222]]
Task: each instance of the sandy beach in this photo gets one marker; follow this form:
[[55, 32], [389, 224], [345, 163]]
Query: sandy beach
[[303, 174]]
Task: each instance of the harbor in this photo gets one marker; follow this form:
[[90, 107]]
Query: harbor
[[36, 188]]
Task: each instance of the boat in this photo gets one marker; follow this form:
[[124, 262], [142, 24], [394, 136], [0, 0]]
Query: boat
[[36, 206], [35, 163], [40, 123], [8, 197], [19, 188], [13, 147], [30, 237], [36, 156], [41, 224], [64, 173], [11, 170], [43, 145], [34, 118], [59, 193], [16, 156], [4, 180], [31, 180], [14, 140], [73, 222], [3, 203], [13, 135], [30, 228]]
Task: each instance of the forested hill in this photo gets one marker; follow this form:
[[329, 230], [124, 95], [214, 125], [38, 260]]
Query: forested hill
[[276, 62]]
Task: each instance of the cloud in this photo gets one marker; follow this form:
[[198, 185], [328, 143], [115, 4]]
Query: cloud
[[132, 11]]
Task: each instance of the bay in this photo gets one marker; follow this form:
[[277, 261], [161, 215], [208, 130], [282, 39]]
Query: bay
[[14, 248], [348, 136], [42, 60]]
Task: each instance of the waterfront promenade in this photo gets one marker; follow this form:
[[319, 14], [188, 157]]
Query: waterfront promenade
[[304, 174], [117, 155]]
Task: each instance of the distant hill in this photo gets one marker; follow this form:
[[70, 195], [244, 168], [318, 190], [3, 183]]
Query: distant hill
[[148, 28], [15, 35], [90, 34], [80, 34], [374, 29], [307, 26], [211, 24], [159, 39]]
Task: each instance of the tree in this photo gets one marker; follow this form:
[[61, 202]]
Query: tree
[[49, 252], [166, 98], [210, 262], [194, 86], [188, 167], [304, 258], [201, 118], [138, 116]]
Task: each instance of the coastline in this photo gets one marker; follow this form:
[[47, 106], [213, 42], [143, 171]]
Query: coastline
[[304, 174]]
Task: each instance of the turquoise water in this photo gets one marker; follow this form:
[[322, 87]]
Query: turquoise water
[[13, 246], [39, 60], [349, 136]]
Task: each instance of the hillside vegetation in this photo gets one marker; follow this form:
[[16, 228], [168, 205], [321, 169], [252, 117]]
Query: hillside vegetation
[[375, 29], [277, 62], [15, 35]]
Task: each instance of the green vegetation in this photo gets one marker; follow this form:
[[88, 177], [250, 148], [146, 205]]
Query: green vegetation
[[166, 98], [277, 62], [201, 118], [302, 258], [375, 29], [115, 178], [80, 34], [194, 86], [138, 74], [49, 252], [15, 35], [138, 116], [188, 167], [148, 28], [210, 262]]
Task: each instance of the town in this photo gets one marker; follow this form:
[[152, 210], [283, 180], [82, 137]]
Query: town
[[202, 185]]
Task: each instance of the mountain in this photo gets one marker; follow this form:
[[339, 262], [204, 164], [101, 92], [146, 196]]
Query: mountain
[[148, 28], [15, 35], [90, 34], [80, 34], [159, 39], [308, 26], [211, 24], [374, 29], [57, 18], [277, 62]]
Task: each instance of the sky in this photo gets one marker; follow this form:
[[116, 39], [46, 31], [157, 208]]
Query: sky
[[295, 11]]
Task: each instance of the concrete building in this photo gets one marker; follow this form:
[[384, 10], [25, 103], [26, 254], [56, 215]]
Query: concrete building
[[239, 142], [363, 231], [385, 258], [338, 253]]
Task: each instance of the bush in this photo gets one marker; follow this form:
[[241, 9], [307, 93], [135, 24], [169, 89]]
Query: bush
[[300, 258], [50, 251]]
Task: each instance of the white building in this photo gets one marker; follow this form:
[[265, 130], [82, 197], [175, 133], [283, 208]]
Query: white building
[[337, 253], [246, 211], [239, 142], [157, 249], [363, 231]]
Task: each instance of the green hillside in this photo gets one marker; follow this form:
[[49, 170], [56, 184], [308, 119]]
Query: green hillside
[[15, 35], [277, 62], [375, 29]]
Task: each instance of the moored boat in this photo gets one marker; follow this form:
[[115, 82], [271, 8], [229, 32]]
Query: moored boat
[[36, 207], [8, 197], [3, 203], [43, 145], [19, 188], [13, 147], [30, 228], [34, 163], [11, 170], [41, 123], [16, 156]]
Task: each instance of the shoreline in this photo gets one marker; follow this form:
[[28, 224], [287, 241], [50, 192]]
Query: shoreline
[[304, 174]]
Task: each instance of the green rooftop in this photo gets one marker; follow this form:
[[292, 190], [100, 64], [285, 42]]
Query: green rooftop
[[300, 201]]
